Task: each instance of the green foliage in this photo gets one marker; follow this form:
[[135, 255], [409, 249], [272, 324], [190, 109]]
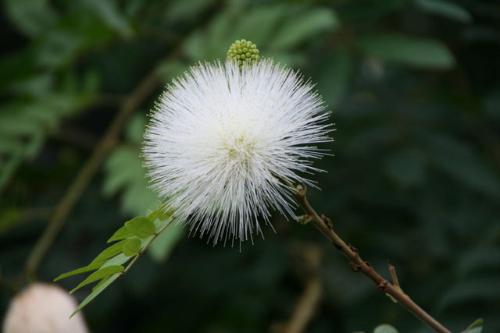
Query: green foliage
[[26, 122], [336, 77], [275, 29], [385, 329], [460, 160], [445, 8], [418, 52], [475, 327], [130, 181], [136, 196], [128, 243], [110, 15], [30, 17], [295, 32], [42, 87]]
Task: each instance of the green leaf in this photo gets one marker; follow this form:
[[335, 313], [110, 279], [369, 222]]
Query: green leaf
[[407, 50], [463, 292], [117, 176], [98, 275], [303, 27], [131, 247], [121, 233], [195, 46], [258, 25], [462, 162], [59, 48], [117, 260], [26, 122], [110, 14], [155, 214], [99, 288], [369, 12], [406, 167], [109, 252], [91, 267], [9, 218], [135, 129], [160, 216], [385, 328], [335, 77], [475, 327], [110, 262], [187, 9], [276, 28], [137, 197], [169, 70], [479, 259], [141, 227], [445, 8], [32, 17], [38, 85]]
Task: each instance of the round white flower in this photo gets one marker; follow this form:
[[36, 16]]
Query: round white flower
[[225, 143], [43, 308]]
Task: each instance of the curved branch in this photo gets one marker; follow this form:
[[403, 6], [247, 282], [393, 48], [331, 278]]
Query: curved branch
[[87, 172], [358, 264], [308, 302]]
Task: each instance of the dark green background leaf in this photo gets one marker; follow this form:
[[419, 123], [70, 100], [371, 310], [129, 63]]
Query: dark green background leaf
[[407, 50]]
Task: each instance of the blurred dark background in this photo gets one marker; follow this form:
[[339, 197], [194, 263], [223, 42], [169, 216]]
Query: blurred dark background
[[414, 91]]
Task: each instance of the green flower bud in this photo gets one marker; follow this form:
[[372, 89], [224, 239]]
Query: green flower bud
[[243, 52]]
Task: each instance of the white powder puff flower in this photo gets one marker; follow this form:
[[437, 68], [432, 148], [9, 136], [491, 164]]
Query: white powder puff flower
[[43, 308], [225, 142]]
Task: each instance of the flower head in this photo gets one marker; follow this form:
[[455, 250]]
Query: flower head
[[43, 308], [225, 142]]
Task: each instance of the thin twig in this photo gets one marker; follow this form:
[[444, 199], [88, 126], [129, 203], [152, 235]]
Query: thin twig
[[132, 262], [87, 172], [76, 137], [305, 307], [361, 265], [394, 276], [309, 300]]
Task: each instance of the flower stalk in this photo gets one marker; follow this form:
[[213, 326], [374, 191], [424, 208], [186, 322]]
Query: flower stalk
[[393, 289]]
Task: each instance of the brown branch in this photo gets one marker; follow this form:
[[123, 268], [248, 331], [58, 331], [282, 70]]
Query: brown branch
[[87, 172], [309, 300], [76, 137], [305, 307], [358, 264]]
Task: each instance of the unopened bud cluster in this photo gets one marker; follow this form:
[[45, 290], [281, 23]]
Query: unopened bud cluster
[[243, 52]]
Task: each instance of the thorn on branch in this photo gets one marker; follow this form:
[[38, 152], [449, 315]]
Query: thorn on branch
[[304, 219], [355, 267], [327, 221], [383, 285], [394, 277]]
